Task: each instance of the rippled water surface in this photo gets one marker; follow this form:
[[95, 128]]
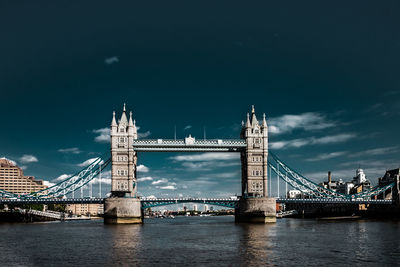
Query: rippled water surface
[[200, 241]]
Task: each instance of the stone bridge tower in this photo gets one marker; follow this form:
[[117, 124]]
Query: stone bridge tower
[[123, 206], [255, 205], [255, 158], [124, 159]]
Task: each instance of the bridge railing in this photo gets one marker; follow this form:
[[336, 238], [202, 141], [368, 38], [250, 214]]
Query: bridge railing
[[172, 142]]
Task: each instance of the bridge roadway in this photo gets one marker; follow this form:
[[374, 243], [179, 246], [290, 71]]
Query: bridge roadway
[[226, 202]]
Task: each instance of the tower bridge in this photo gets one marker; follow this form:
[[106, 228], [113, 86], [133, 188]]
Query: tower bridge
[[257, 164], [255, 205]]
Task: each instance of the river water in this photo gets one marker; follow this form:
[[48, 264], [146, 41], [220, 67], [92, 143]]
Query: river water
[[201, 241]]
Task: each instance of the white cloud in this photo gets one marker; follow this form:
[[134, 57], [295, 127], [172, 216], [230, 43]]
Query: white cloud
[[103, 135], [87, 162], [209, 156], [24, 167], [62, 177], [327, 156], [167, 187], [375, 152], [147, 178], [144, 135], [111, 60], [72, 150], [228, 174], [187, 127], [105, 178], [11, 161], [333, 139], [47, 183], [309, 121], [142, 168], [296, 143], [160, 181], [196, 166], [28, 159], [208, 165]]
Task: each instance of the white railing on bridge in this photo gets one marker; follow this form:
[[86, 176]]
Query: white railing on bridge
[[188, 145]]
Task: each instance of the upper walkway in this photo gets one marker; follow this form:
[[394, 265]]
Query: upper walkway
[[189, 144]]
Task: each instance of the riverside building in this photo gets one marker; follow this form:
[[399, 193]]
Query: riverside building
[[85, 209], [12, 179]]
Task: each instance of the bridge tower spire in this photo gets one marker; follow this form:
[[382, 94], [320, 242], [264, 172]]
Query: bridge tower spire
[[255, 205]]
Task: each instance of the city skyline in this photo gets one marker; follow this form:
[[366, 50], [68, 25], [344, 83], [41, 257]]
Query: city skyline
[[331, 101]]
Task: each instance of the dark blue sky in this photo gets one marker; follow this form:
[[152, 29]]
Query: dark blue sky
[[64, 67]]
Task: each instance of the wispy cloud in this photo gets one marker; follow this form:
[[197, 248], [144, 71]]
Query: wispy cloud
[[144, 135], [160, 181], [28, 159], [392, 93], [47, 183], [187, 127], [111, 60], [87, 162], [147, 178], [142, 168], [167, 187], [375, 152], [296, 143], [326, 156], [105, 178], [309, 121], [208, 165], [103, 135], [62, 177], [72, 150]]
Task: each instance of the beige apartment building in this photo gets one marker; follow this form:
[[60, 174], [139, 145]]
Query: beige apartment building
[[12, 179], [85, 209]]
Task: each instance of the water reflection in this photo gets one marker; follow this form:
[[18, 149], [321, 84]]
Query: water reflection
[[126, 243], [255, 244]]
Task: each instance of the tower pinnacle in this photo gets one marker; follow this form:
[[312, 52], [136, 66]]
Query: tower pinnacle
[[113, 122], [248, 120], [264, 123], [130, 119]]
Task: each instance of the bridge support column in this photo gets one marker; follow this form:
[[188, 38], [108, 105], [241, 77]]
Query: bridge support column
[[256, 210], [122, 210]]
